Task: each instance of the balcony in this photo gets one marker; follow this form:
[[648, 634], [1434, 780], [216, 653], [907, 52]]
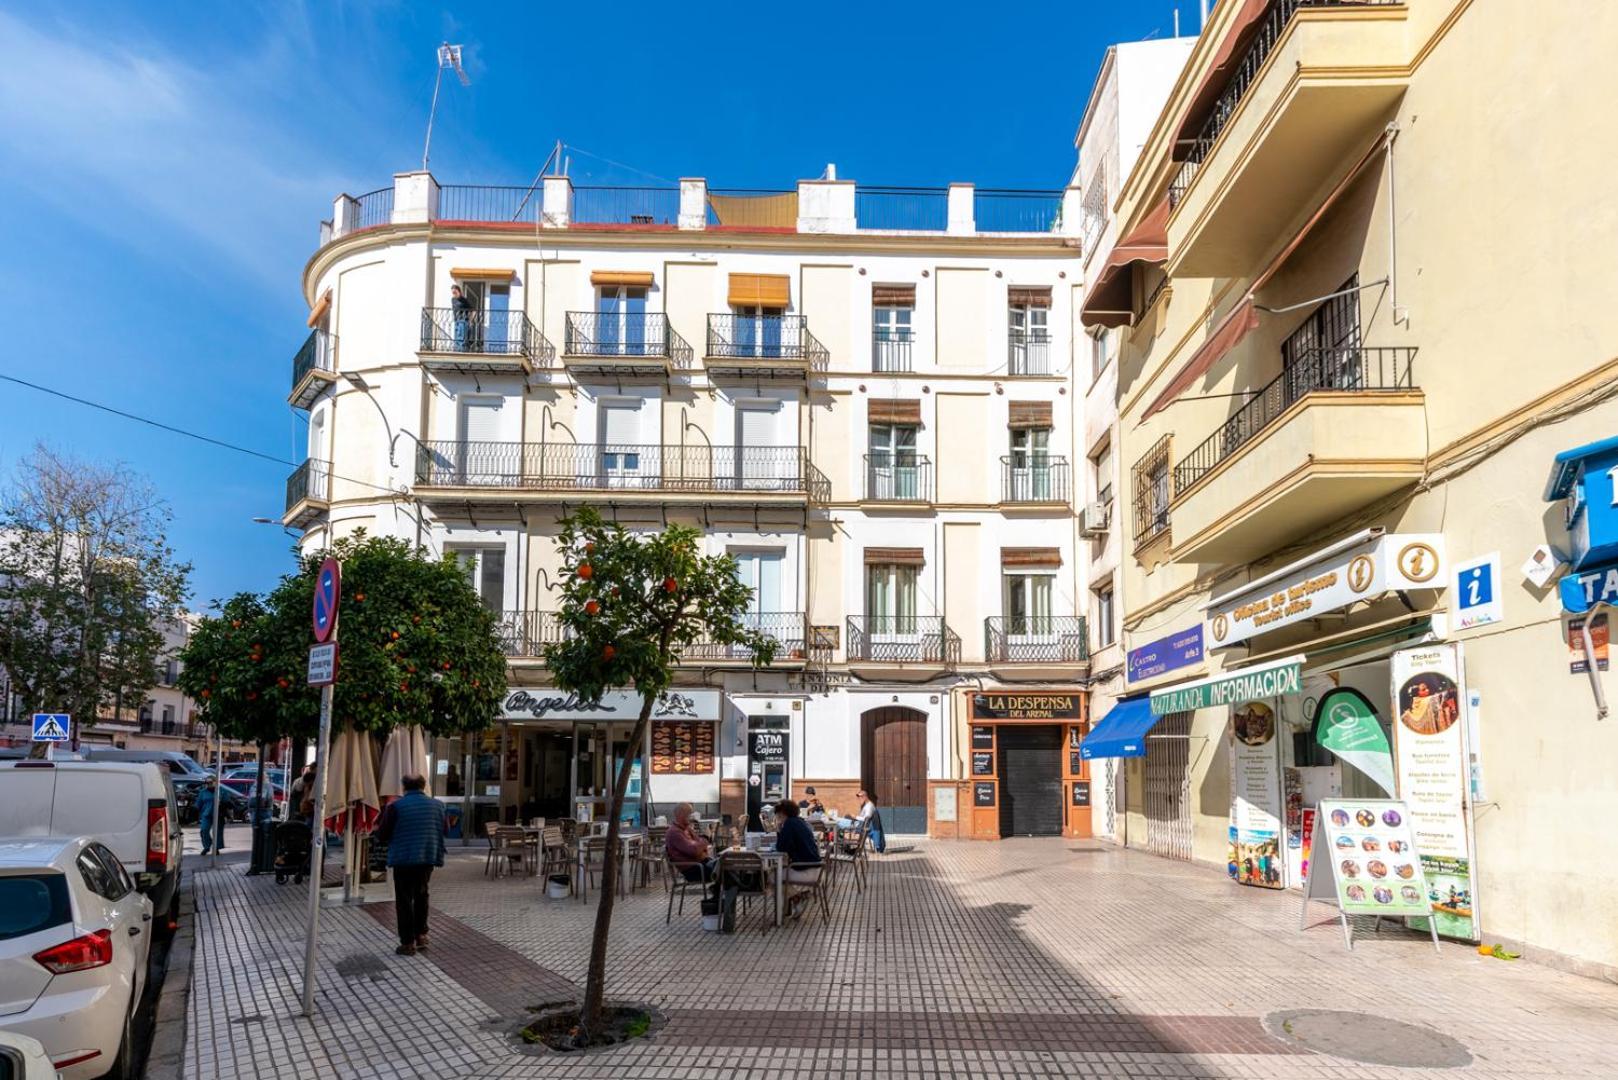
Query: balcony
[[901, 476], [1035, 480], [771, 346], [313, 369], [547, 470], [890, 350], [1028, 353], [524, 635], [1315, 83], [923, 640], [1336, 430], [1036, 640], [482, 342], [308, 493], [623, 343]]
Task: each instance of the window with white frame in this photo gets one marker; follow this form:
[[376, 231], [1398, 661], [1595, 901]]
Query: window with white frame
[[621, 320], [890, 599], [891, 337], [1099, 352], [1027, 601], [485, 568], [1093, 213], [1101, 469], [1106, 630]]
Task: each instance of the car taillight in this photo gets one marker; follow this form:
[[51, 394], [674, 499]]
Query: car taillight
[[80, 954], [157, 837]]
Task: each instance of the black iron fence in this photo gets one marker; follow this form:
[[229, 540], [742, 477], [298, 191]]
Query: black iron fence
[[623, 333], [898, 639], [766, 337], [1033, 477], [483, 202], [617, 466], [524, 634], [901, 208], [890, 349], [1028, 352], [318, 353], [1034, 639], [487, 333], [310, 481], [1270, 28], [1352, 368], [1153, 477], [898, 476], [1003, 210], [626, 206], [375, 208]]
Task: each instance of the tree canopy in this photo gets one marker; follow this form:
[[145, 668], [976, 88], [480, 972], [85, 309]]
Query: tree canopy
[[416, 646]]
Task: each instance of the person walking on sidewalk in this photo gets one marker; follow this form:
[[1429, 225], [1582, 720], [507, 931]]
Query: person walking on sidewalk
[[208, 817], [412, 827]]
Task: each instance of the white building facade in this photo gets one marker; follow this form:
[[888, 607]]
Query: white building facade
[[867, 396]]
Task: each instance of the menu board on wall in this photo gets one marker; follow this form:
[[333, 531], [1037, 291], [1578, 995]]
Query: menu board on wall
[[983, 794], [1255, 797], [1429, 742], [982, 763], [1370, 845], [983, 737], [682, 747], [1081, 793]]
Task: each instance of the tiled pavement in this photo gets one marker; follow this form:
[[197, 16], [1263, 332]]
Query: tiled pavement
[[1025, 958]]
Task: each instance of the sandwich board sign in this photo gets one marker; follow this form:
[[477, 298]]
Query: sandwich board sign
[[52, 727], [1363, 858]]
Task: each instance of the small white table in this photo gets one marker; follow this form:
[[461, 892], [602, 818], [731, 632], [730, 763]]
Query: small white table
[[775, 865]]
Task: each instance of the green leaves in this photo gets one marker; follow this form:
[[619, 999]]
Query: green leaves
[[630, 606], [415, 646]]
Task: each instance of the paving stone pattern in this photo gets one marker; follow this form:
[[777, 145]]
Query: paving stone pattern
[[1024, 958]]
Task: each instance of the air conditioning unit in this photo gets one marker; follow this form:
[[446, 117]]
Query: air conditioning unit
[[1093, 520]]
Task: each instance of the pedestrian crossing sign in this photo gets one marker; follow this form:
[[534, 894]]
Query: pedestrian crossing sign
[[51, 726]]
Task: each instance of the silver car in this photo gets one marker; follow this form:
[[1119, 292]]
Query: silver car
[[74, 939]]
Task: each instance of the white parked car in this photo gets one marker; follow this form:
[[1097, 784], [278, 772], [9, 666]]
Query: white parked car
[[127, 805], [74, 939], [25, 1058]]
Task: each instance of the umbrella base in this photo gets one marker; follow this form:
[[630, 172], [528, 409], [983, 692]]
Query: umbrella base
[[374, 893]]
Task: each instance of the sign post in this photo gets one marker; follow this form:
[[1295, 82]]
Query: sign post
[[51, 728], [328, 590]]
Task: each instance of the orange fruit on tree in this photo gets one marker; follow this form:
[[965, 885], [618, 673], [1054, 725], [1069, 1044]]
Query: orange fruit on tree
[[395, 635], [446, 665], [590, 548], [591, 607], [207, 693], [586, 571], [670, 585], [608, 652]]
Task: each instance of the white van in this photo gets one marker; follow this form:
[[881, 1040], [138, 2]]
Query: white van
[[128, 806]]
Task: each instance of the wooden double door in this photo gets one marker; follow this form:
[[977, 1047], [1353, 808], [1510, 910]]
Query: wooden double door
[[893, 766]]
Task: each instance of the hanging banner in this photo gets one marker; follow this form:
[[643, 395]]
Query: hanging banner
[[1346, 724], [1433, 772], [1255, 797]]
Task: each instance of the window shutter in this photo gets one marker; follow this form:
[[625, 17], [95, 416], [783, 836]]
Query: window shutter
[[1029, 296], [760, 290], [756, 427], [642, 278], [895, 411], [893, 296], [620, 425], [480, 421], [1030, 557], [1030, 414], [892, 556]]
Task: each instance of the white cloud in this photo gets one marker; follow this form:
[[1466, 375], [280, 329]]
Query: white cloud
[[128, 138]]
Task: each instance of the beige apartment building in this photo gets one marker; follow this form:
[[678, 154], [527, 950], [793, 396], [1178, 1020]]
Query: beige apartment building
[[1362, 284]]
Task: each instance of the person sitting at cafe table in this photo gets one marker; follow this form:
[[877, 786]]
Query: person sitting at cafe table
[[686, 849], [810, 804], [796, 840]]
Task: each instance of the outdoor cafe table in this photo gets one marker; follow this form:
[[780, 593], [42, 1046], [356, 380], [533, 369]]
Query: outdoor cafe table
[[582, 872], [775, 865]]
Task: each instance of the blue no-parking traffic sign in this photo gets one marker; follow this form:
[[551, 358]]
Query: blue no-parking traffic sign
[[328, 587]]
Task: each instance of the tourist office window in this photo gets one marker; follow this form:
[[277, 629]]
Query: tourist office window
[[890, 599], [1028, 602], [485, 568]]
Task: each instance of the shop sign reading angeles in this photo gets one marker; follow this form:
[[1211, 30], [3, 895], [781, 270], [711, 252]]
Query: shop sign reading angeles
[[1374, 565]]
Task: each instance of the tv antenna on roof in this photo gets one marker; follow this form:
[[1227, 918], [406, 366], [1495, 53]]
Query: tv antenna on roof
[[449, 56]]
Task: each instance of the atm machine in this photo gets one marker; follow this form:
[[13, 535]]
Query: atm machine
[[767, 740]]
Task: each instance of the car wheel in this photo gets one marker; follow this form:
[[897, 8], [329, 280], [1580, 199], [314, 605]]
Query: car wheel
[[123, 1066]]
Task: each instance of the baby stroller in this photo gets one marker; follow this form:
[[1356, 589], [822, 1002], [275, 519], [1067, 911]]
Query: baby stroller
[[291, 851]]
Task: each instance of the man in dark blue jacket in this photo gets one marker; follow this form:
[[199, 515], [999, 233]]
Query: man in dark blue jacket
[[413, 828]]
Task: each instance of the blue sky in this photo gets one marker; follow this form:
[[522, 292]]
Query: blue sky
[[163, 169]]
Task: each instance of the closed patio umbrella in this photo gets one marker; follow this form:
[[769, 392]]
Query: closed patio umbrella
[[353, 805], [404, 754]]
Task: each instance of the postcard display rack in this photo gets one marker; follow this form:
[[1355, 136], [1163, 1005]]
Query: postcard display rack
[[1375, 868]]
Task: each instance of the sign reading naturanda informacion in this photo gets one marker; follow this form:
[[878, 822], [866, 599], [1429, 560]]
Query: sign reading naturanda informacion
[[1269, 680]]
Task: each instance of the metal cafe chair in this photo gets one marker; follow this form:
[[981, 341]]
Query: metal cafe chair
[[679, 884], [848, 847], [737, 867]]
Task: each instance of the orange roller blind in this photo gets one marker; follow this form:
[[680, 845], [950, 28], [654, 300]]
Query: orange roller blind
[[760, 290], [1030, 556], [322, 306], [894, 556], [475, 274], [621, 277]]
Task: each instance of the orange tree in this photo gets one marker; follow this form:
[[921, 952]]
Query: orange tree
[[417, 646], [629, 606]]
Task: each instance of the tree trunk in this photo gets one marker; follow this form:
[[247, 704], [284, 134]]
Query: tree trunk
[[596, 980]]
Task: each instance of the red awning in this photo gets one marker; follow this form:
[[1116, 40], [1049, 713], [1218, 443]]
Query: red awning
[[1110, 299], [1231, 51], [1242, 319]]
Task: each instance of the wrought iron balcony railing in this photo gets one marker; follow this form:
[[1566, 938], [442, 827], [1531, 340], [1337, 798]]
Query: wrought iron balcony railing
[[768, 337], [628, 334], [309, 482], [619, 467], [485, 333], [319, 353], [900, 639], [898, 476], [890, 350], [1035, 478], [1036, 639], [1028, 353], [1347, 369], [1272, 25], [524, 635]]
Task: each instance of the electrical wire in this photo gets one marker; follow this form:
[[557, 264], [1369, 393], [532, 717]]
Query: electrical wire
[[187, 434], [619, 164]]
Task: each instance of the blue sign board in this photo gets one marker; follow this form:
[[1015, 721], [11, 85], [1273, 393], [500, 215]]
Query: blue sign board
[[52, 726], [1581, 592], [1583, 479], [1178, 650]]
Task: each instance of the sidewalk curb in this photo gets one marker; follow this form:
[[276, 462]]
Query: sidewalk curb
[[166, 1059]]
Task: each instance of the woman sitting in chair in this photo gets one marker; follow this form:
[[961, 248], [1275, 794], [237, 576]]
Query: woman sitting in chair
[[796, 840]]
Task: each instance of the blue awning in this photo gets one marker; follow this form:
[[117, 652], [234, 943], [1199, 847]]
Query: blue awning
[[1122, 732]]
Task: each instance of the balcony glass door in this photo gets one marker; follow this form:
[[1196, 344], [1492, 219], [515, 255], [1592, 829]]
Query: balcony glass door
[[620, 464], [890, 338], [760, 571], [621, 321], [1030, 465], [476, 449], [758, 331], [1028, 610], [755, 445], [894, 471], [497, 319], [1029, 328], [890, 612]]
